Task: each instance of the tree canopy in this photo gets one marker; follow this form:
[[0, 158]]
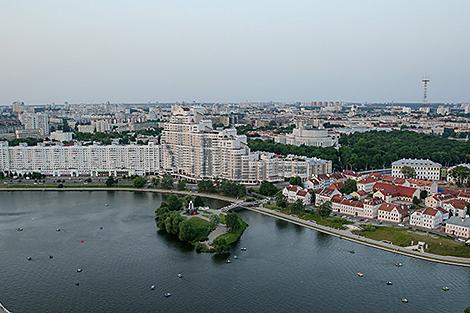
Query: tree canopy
[[139, 182], [378, 149], [267, 189], [350, 186], [408, 172]]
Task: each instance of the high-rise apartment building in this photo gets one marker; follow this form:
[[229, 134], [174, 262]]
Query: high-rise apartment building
[[39, 121]]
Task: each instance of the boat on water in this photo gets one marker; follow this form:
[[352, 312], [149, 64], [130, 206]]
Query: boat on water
[[404, 300], [398, 264], [445, 288], [389, 283], [228, 261], [152, 287], [180, 275], [19, 229], [360, 274], [243, 249], [352, 251], [79, 270], [235, 257], [167, 294]]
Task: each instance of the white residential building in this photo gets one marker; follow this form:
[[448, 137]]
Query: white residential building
[[192, 149], [425, 169], [91, 160], [39, 121], [296, 193], [458, 227], [393, 213], [427, 218], [61, 136]]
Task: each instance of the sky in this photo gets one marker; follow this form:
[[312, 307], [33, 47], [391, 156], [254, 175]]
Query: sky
[[230, 51]]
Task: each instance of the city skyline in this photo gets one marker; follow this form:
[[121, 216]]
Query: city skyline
[[221, 52]]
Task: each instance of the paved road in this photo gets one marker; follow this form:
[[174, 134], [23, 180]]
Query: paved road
[[219, 230]]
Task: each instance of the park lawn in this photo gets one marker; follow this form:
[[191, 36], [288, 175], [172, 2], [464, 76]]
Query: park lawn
[[403, 237], [232, 237], [201, 228]]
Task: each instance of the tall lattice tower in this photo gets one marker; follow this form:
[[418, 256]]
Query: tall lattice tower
[[425, 82]]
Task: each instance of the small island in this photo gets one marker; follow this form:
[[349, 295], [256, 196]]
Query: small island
[[208, 230]]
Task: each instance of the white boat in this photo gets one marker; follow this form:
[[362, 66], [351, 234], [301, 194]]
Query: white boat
[[404, 300], [389, 283], [79, 270], [180, 275], [228, 261], [152, 287], [167, 294]]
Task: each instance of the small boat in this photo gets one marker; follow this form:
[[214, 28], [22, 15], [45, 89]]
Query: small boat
[[107, 204], [79, 270], [389, 283], [360, 274], [152, 287], [29, 258], [228, 261], [167, 294], [352, 251], [19, 229], [58, 229], [398, 264], [404, 300], [243, 249], [101, 227], [445, 288], [235, 257], [180, 275], [51, 257], [77, 284]]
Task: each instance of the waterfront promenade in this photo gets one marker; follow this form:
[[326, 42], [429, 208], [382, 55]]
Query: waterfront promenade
[[343, 234], [3, 309]]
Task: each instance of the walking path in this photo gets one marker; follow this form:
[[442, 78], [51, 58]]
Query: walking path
[[3, 310], [344, 234]]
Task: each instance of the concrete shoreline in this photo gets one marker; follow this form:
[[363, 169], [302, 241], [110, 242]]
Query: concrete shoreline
[[450, 260], [3, 309]]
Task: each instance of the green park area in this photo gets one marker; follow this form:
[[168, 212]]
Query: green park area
[[403, 237]]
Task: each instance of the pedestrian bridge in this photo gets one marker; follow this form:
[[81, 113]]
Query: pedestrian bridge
[[243, 205]]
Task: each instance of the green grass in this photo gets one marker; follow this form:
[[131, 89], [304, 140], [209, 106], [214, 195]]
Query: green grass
[[201, 227], [403, 237]]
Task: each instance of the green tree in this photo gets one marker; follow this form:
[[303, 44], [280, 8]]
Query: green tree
[[233, 222], [350, 186], [174, 203], [297, 207], [181, 184], [408, 172], [198, 202], [416, 201], [206, 186], [111, 181], [214, 220], [296, 180], [155, 182], [423, 194], [167, 182], [324, 210], [186, 231], [461, 174], [139, 182], [281, 201], [467, 310], [267, 189]]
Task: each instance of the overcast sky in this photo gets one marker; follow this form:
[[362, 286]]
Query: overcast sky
[[233, 50]]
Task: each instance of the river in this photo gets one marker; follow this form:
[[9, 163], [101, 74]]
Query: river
[[286, 268]]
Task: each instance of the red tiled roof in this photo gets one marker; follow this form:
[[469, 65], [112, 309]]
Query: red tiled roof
[[389, 207], [457, 203], [389, 189], [429, 211], [302, 193]]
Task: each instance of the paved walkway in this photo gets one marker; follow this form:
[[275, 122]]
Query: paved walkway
[[3, 310], [219, 230], [345, 234]]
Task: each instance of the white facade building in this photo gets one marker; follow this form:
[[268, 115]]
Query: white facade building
[[427, 218], [425, 169], [61, 136], [91, 160], [309, 137], [39, 121]]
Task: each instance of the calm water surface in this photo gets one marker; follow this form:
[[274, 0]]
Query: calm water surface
[[286, 268]]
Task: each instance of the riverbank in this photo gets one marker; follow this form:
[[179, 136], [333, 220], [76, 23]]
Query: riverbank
[[343, 234], [3, 309]]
